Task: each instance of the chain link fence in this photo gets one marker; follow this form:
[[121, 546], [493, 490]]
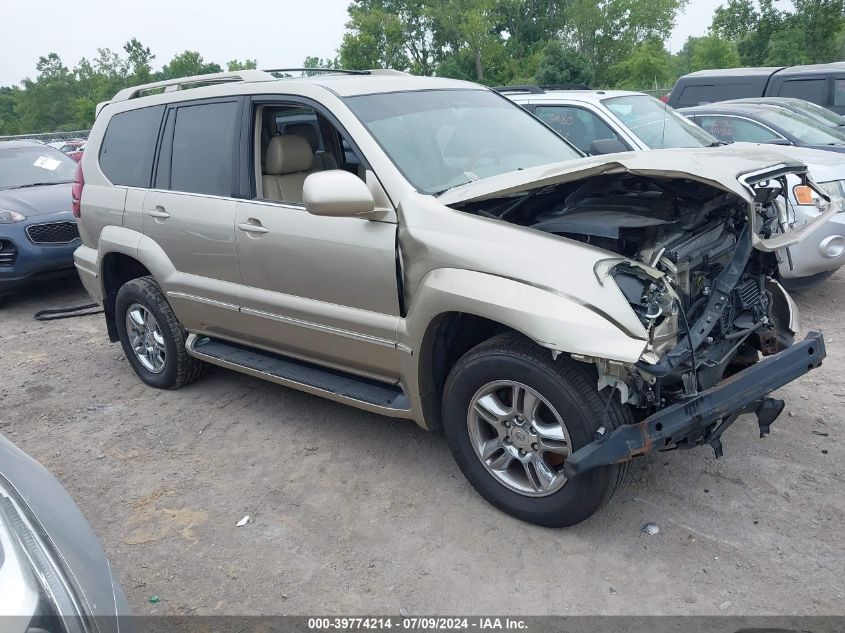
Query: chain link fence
[[56, 139]]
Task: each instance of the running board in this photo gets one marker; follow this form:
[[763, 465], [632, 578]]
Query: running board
[[334, 384]]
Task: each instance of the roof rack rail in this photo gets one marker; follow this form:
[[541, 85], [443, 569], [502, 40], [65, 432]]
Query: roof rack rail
[[565, 87], [316, 70], [170, 85], [521, 88]]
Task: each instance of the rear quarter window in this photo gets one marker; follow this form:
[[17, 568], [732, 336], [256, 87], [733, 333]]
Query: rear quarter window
[[814, 90], [126, 153]]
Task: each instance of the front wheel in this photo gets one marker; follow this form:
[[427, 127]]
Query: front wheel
[[512, 416], [152, 337]]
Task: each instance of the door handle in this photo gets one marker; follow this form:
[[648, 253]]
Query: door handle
[[159, 213], [252, 226]]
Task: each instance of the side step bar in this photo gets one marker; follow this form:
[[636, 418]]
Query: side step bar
[[365, 393]]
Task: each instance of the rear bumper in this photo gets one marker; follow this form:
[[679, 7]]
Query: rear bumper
[[692, 421]]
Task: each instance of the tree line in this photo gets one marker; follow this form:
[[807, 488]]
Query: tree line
[[604, 43]]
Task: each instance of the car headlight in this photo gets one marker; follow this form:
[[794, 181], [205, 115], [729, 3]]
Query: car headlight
[[833, 189], [7, 216], [33, 587]]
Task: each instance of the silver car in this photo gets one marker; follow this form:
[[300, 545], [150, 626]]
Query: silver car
[[423, 248], [54, 576], [602, 121]]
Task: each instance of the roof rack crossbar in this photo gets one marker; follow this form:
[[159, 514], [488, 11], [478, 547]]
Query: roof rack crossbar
[[170, 85], [316, 70]]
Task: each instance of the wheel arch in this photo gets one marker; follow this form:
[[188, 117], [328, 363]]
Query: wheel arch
[[454, 309], [125, 255]]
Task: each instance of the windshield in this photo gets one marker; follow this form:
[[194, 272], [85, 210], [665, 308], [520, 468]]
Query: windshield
[[803, 128], [28, 166], [656, 124], [440, 139], [820, 112]]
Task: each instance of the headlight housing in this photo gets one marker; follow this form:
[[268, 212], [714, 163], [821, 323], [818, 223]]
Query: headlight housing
[[7, 216], [33, 587], [833, 188]]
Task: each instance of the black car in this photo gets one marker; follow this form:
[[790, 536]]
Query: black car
[[823, 84], [754, 123], [801, 106]]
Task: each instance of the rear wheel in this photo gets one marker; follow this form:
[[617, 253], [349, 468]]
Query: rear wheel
[[512, 416], [152, 337]]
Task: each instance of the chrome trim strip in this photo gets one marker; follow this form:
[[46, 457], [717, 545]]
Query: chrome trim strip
[[367, 338], [211, 302]]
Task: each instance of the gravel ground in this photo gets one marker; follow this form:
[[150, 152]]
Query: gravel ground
[[354, 513]]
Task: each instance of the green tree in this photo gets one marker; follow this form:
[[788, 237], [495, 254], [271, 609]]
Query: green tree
[[788, 48], [561, 65], [647, 67], [374, 38], [820, 21], [606, 32], [247, 64], [734, 20], [140, 61], [712, 51], [188, 64]]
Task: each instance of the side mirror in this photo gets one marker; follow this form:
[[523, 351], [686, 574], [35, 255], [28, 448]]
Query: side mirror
[[337, 193], [607, 146]]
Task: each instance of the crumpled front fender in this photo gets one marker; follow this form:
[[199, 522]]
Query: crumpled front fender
[[551, 319]]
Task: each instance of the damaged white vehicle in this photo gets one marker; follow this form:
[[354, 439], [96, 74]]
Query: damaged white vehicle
[[424, 248]]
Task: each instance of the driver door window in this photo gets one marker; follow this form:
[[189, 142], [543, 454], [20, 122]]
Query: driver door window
[[320, 288], [577, 125], [731, 129]]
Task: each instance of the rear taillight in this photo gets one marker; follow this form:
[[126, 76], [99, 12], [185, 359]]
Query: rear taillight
[[76, 191]]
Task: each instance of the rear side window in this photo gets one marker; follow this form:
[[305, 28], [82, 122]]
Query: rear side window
[[814, 90], [839, 92], [126, 154], [700, 94], [202, 155]]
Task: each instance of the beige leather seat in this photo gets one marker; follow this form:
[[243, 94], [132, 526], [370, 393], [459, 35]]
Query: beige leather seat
[[322, 160], [288, 163]]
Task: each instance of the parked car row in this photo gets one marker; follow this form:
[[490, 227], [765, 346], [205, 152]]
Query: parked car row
[[602, 121]]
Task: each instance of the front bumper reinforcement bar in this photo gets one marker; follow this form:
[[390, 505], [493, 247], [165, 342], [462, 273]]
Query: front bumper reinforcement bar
[[744, 392]]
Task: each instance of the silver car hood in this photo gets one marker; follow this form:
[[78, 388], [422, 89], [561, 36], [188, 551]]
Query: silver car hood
[[730, 168], [824, 166]]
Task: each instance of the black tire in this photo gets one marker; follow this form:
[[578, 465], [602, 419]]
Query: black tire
[[570, 387], [179, 368], [805, 283]]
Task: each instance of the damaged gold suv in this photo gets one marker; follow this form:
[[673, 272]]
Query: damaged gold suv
[[423, 248]]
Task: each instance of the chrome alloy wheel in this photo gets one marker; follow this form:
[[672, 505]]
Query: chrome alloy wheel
[[519, 437], [145, 338]]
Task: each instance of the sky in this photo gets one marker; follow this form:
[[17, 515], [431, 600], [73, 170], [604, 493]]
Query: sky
[[278, 33]]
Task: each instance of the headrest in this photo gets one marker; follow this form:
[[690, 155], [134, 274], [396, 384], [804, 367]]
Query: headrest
[[307, 131], [288, 154]]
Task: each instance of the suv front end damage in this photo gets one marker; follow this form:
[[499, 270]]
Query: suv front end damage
[[694, 258]]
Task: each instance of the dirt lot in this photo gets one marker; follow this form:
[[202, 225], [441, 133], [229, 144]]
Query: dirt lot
[[353, 513]]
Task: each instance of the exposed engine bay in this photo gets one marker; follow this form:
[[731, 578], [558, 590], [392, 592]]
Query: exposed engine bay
[[684, 261]]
